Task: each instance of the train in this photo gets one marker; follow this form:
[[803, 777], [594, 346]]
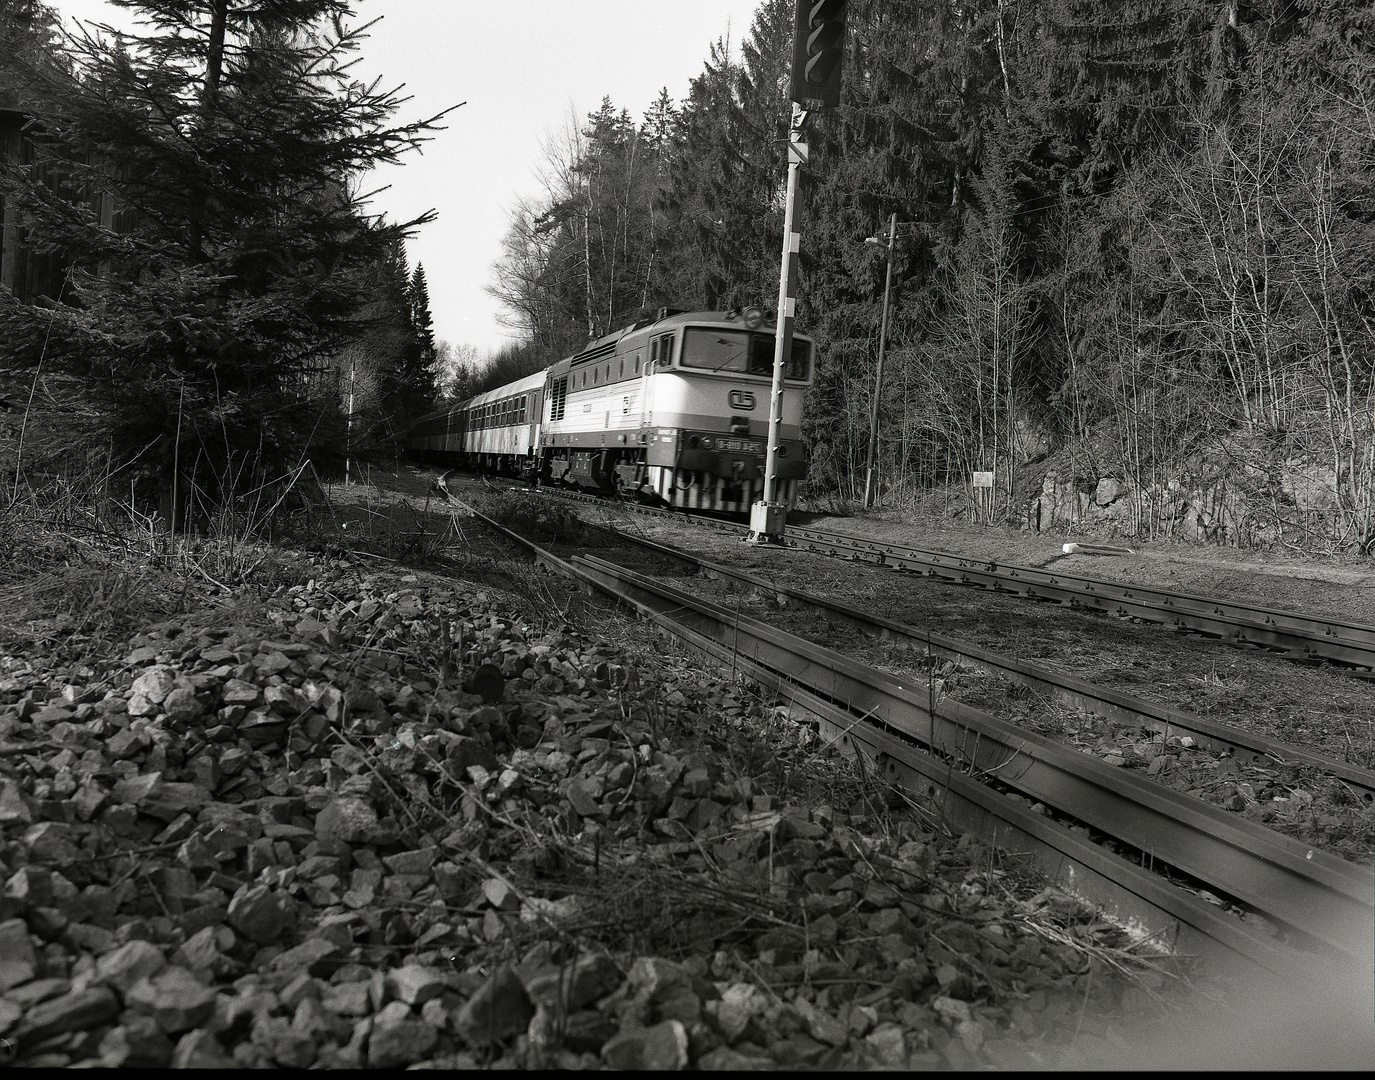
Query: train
[[672, 410]]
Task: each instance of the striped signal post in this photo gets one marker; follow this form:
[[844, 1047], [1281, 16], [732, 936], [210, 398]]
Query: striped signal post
[[768, 517], [814, 82]]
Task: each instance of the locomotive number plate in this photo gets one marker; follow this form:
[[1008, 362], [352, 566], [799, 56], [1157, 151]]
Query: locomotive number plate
[[743, 446]]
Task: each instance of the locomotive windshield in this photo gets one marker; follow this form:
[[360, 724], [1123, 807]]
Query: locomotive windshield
[[738, 350]]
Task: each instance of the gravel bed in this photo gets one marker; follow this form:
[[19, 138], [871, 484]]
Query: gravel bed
[[338, 813], [372, 818]]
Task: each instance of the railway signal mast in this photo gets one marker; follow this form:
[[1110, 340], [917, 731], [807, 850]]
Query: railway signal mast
[[818, 51]]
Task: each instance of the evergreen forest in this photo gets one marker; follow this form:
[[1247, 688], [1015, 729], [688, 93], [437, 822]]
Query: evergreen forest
[[1133, 263]]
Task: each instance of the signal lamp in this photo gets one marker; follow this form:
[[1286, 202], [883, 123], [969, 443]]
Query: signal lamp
[[818, 52]]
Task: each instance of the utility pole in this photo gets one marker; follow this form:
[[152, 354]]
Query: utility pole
[[870, 479]]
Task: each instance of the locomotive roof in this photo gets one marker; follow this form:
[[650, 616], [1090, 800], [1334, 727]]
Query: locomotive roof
[[605, 346]]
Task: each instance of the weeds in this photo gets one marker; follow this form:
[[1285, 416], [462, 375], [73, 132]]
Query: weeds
[[542, 520]]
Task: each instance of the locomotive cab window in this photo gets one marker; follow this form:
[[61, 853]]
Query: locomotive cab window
[[743, 352]]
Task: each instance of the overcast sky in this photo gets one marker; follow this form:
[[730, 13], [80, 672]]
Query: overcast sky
[[520, 65]]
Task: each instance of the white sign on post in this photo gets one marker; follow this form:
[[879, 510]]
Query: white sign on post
[[983, 480]]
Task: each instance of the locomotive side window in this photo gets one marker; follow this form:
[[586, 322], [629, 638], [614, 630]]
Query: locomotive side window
[[653, 352], [637, 363]]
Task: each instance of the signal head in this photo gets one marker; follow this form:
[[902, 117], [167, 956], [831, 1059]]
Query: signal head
[[818, 52]]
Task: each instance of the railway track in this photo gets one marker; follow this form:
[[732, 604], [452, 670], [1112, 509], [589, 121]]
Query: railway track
[[959, 758], [1245, 746], [1293, 634]]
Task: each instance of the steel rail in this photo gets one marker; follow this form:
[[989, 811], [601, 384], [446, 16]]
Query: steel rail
[[1307, 636], [1123, 708], [1084, 867], [1320, 895], [1310, 636], [1146, 901]]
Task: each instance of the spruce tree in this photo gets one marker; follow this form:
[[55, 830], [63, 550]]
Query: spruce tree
[[207, 202], [422, 324], [416, 384]]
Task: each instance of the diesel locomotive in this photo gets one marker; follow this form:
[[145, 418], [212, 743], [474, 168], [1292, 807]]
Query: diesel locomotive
[[673, 409]]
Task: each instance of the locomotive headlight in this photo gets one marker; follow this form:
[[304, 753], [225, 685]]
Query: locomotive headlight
[[782, 451], [706, 442], [753, 317]]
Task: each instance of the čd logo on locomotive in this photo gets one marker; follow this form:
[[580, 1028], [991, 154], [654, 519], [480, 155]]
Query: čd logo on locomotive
[[741, 399]]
